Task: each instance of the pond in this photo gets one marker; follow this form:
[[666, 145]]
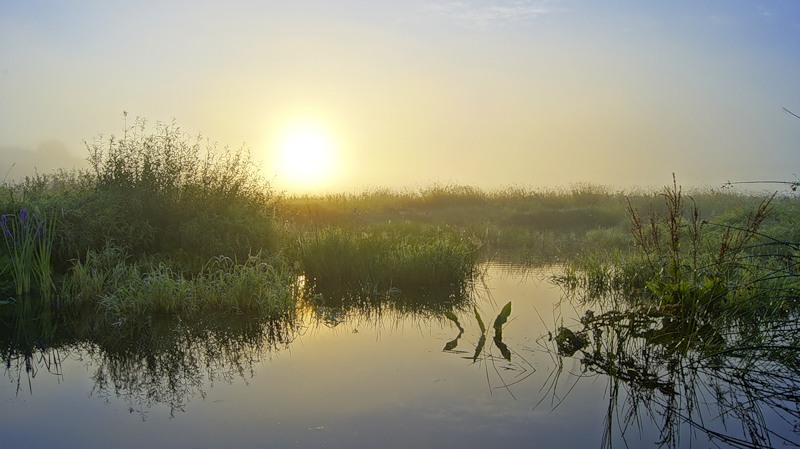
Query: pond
[[372, 376]]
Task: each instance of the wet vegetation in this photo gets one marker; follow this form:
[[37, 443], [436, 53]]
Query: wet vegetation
[[158, 361], [700, 321], [173, 262]]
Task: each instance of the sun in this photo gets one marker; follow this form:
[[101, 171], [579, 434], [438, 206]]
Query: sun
[[305, 156]]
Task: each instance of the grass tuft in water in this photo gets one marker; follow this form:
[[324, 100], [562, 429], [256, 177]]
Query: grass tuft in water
[[386, 257], [124, 290]]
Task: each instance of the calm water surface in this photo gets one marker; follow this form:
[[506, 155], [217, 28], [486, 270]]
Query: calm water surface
[[341, 379]]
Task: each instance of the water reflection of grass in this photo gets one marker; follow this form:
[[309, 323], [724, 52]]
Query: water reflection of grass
[[160, 361], [169, 362], [698, 330], [739, 388], [337, 304]]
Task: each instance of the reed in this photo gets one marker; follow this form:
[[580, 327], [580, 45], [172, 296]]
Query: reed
[[698, 272], [29, 241], [124, 290], [532, 225], [388, 256]]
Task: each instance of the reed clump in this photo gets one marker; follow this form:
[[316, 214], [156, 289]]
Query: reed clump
[[404, 256], [123, 289], [160, 223], [28, 238], [698, 272]]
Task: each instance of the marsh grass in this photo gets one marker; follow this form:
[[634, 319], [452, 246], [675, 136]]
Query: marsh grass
[[696, 268], [29, 239], [386, 257], [536, 226], [121, 289], [162, 191], [702, 306]]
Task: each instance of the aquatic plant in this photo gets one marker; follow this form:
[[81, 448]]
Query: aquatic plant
[[127, 290], [703, 306], [694, 268], [500, 320], [481, 355], [387, 257], [29, 240]]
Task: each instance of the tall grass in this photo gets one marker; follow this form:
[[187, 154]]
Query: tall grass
[[698, 272], [515, 223], [388, 256], [163, 191], [28, 238], [122, 289]]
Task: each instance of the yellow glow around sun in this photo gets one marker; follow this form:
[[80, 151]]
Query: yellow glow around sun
[[305, 156]]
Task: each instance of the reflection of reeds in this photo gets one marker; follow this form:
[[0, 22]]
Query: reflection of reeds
[[736, 387], [366, 303], [168, 362], [27, 333], [161, 361]]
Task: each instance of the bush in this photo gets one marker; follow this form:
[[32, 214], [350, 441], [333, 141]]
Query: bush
[[163, 192]]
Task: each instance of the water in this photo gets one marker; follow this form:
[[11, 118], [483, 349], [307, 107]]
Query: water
[[361, 377]]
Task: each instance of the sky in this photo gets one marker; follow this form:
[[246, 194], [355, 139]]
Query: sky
[[348, 95]]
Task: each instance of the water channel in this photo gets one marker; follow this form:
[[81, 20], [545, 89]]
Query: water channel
[[361, 377]]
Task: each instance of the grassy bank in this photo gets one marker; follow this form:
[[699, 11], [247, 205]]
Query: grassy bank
[[163, 223]]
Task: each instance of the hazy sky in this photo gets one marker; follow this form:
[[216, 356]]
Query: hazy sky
[[406, 93]]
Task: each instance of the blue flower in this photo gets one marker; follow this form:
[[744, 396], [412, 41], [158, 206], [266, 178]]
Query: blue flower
[[4, 223]]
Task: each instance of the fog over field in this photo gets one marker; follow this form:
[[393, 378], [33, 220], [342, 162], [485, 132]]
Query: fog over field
[[342, 96]]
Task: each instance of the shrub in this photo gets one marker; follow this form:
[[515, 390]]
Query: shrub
[[163, 192]]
